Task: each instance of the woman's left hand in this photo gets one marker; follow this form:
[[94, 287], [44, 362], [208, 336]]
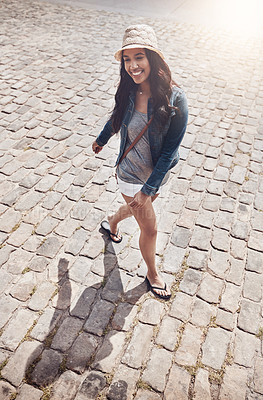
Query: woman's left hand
[[139, 200]]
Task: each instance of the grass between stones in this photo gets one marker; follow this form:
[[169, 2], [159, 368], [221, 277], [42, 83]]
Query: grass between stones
[[25, 270], [1, 367], [260, 333], [63, 364], [27, 336], [46, 392], [143, 385]]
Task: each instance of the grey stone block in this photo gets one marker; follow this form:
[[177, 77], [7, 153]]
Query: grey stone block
[[38, 264], [94, 246], [218, 263], [201, 238], [17, 365], [249, 317], [159, 364], [181, 237], [201, 313], [62, 209], [191, 281], [66, 334], [9, 220], [240, 230], [197, 259], [17, 261], [254, 261], [255, 241], [17, 329], [151, 312], [11, 198], [211, 202], [76, 242], [210, 288], [236, 271], [81, 304], [50, 247], [171, 325], [6, 390], [30, 180], [115, 286], [91, 386], [51, 200], [29, 392], [99, 317], [181, 306], [20, 235], [252, 289], [221, 239], [66, 386], [67, 227], [245, 348], [81, 210], [80, 269], [47, 368], [205, 218], [238, 174], [5, 279], [42, 295], [7, 307], [234, 382], [215, 347], [146, 395], [81, 352], [258, 375], [124, 316], [225, 319], [202, 385], [23, 288], [45, 324], [231, 298], [189, 348], [123, 384], [47, 226], [137, 349], [108, 355], [28, 201], [173, 258], [180, 390]]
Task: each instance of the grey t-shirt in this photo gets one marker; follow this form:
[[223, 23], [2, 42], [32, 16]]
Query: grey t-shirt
[[137, 166]]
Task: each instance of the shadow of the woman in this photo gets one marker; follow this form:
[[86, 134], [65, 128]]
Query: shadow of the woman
[[81, 331]]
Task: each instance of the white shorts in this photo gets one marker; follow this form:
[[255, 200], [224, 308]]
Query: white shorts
[[129, 189]]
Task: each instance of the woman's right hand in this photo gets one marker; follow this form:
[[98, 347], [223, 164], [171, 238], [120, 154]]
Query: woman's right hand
[[96, 148]]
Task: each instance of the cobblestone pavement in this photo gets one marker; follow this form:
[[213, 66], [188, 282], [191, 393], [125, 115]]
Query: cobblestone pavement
[[76, 319]]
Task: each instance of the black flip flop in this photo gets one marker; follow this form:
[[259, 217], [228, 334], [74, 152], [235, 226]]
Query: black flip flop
[[154, 288], [106, 226]]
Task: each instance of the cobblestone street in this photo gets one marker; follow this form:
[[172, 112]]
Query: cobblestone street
[[76, 320]]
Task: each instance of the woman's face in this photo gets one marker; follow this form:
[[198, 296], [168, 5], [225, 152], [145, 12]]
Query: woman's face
[[136, 64]]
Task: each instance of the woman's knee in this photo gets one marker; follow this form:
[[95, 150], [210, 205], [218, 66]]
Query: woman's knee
[[149, 230]]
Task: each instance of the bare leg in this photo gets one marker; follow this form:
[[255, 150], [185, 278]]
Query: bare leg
[[147, 222], [122, 213]]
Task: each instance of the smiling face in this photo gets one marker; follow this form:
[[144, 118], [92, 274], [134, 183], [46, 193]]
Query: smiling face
[[136, 64]]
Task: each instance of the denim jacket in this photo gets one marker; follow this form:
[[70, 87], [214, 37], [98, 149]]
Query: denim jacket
[[164, 142]]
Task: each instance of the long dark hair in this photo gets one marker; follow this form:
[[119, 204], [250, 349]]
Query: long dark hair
[[161, 83]]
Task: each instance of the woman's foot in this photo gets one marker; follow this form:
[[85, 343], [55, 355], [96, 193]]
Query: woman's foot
[[158, 287], [115, 236]]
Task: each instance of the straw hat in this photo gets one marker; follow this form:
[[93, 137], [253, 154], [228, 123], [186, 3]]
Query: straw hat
[[139, 36]]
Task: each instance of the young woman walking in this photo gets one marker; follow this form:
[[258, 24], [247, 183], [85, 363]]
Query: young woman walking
[[151, 108]]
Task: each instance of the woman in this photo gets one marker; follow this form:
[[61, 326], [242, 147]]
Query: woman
[[146, 93]]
